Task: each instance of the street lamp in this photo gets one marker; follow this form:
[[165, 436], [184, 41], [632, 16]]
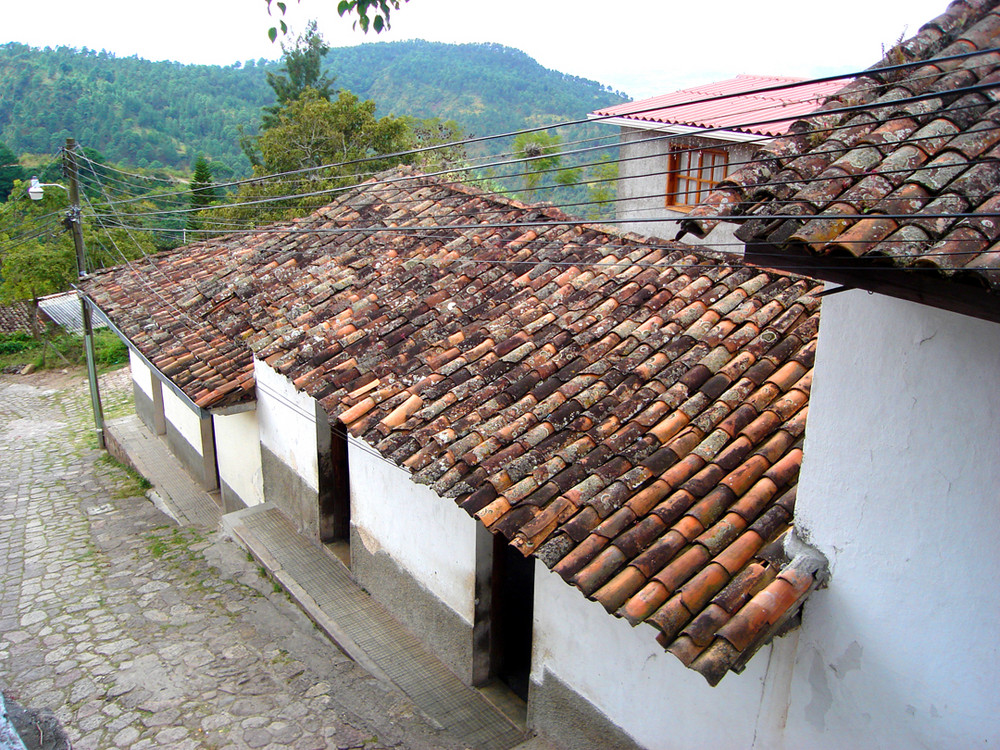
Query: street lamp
[[36, 189]]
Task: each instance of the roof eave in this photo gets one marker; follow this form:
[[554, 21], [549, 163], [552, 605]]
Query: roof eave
[[923, 286], [673, 129], [202, 411]]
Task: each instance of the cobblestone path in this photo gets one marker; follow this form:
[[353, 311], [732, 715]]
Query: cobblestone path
[[141, 634]]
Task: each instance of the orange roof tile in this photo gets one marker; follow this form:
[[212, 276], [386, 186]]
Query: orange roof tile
[[627, 411], [897, 171]]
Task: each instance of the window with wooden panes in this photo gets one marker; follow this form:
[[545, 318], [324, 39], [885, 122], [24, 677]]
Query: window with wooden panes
[[691, 174]]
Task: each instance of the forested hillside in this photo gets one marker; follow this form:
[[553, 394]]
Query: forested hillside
[[153, 114]]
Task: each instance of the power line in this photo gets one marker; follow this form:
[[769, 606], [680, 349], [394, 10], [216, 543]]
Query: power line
[[338, 189], [702, 132]]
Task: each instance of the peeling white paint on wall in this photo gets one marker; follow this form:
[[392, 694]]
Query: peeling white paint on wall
[[429, 536], [287, 422]]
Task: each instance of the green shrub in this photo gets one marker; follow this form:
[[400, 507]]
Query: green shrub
[[109, 350], [12, 343]]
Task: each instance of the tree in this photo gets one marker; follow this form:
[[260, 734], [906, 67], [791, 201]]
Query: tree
[[10, 171], [432, 132], [342, 135], [37, 255], [302, 70], [203, 192], [540, 150], [601, 190]]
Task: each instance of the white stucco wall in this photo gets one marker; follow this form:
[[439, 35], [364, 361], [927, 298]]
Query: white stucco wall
[[237, 446], [647, 692], [286, 419], [429, 536], [899, 488], [642, 188], [141, 374], [184, 419]]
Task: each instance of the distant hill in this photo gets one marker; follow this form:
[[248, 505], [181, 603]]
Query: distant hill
[[152, 114]]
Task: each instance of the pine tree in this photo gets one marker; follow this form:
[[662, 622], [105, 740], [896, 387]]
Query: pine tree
[[302, 70], [203, 192]]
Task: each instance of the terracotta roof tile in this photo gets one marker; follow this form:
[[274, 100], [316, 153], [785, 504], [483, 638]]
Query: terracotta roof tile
[[16, 317], [925, 163], [634, 426]]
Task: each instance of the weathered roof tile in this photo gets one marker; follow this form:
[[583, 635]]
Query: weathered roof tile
[[626, 424]]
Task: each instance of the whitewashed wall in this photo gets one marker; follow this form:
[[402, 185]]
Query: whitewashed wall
[[141, 374], [428, 536], [184, 420], [286, 419], [642, 189], [237, 445], [626, 675], [900, 488]]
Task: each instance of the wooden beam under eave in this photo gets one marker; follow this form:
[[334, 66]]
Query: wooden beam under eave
[[926, 287]]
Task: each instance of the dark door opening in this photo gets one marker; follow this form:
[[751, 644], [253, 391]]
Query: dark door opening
[[512, 612], [335, 488]]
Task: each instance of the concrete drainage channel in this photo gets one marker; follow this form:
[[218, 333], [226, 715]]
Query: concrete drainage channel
[[366, 632]]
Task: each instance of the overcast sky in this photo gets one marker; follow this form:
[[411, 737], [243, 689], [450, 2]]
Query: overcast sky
[[642, 47]]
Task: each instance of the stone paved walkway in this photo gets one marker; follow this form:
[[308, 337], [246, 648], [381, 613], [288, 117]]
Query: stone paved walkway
[[141, 634]]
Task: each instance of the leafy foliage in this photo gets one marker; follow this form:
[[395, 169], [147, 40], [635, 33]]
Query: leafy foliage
[[543, 163], [311, 132], [601, 190], [372, 14], [302, 69], [161, 114], [37, 255], [13, 343], [433, 132], [10, 171], [19, 349]]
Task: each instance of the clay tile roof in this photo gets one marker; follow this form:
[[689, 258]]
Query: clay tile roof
[[736, 104], [15, 317], [629, 412], [185, 311], [894, 187]]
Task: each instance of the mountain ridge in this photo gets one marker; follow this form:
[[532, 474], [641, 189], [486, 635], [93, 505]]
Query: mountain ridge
[[162, 114]]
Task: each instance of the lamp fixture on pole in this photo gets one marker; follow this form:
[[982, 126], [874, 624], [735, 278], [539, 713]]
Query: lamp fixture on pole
[[36, 189]]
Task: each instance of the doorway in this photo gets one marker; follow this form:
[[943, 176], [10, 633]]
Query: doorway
[[511, 615], [335, 493]]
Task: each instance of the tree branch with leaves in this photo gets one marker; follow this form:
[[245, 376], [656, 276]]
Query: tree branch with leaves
[[371, 14]]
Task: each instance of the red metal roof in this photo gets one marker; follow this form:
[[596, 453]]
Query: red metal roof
[[737, 111]]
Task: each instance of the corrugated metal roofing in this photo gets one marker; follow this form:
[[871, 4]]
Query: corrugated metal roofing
[[738, 111], [64, 309]]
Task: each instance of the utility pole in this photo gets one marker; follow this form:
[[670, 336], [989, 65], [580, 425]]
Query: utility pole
[[76, 227]]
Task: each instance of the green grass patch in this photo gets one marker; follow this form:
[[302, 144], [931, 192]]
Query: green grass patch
[[58, 349], [174, 544], [128, 482]]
